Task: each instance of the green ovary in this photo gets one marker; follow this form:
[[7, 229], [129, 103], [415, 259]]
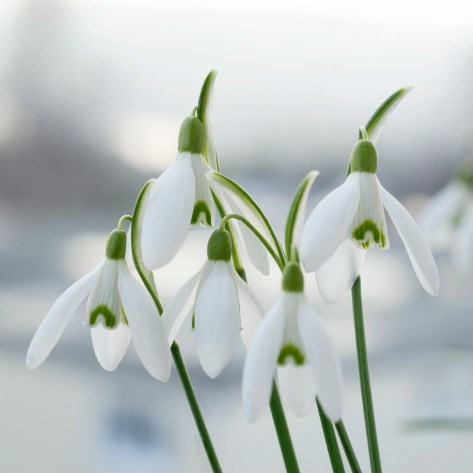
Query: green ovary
[[291, 351], [200, 208], [109, 318], [368, 231]]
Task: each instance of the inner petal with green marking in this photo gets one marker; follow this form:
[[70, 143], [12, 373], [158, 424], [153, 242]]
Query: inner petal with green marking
[[102, 314], [288, 351], [369, 225], [204, 208]]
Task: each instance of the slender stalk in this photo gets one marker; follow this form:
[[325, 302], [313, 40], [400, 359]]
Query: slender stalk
[[282, 431], [347, 447], [148, 280], [331, 441], [365, 386], [194, 405]]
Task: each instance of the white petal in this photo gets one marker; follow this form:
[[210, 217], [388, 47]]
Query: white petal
[[56, 319], [110, 345], [168, 213], [147, 330], [251, 311], [297, 387], [217, 319], [178, 308], [329, 223], [336, 277], [324, 361], [463, 243], [415, 242], [443, 207], [261, 362]]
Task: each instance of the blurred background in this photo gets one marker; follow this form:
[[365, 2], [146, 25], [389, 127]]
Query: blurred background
[[92, 93]]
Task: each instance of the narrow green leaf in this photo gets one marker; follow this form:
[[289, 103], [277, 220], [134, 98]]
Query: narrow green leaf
[[295, 218], [379, 117], [205, 115]]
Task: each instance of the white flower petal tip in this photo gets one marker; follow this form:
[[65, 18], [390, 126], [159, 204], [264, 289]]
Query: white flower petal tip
[[329, 223], [217, 319], [147, 329], [336, 276], [415, 242], [261, 362], [167, 217], [53, 325], [110, 345], [323, 360]]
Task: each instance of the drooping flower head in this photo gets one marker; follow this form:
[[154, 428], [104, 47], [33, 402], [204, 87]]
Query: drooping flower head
[[118, 309], [221, 303], [447, 219], [350, 220], [293, 342]]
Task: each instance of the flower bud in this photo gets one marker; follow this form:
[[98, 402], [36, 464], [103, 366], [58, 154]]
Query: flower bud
[[191, 136], [293, 280], [219, 247], [364, 157], [116, 245]]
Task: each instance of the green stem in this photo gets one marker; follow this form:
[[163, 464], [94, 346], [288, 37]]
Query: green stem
[[194, 405], [148, 280], [331, 442], [347, 447], [282, 431], [362, 356], [260, 237]]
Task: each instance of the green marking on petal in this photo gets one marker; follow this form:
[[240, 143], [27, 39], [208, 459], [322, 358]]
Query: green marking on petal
[[291, 351], [193, 321], [374, 233], [201, 208], [110, 320], [124, 319]]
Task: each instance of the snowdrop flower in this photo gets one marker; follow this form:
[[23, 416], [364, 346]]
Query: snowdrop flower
[[182, 196], [222, 306], [350, 220], [118, 309], [293, 339]]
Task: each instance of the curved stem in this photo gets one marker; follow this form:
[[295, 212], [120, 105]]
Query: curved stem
[[365, 384], [123, 219], [148, 280], [347, 447], [258, 234], [331, 441]]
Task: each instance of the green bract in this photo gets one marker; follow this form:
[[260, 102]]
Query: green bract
[[116, 245], [364, 157], [292, 280], [191, 136], [219, 247]]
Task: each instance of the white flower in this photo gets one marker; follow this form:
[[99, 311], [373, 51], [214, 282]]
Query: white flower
[[222, 304], [181, 197], [118, 309], [292, 338], [351, 219], [447, 220]]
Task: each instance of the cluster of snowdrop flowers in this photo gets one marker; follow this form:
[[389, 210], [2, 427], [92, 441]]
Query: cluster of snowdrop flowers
[[447, 219], [118, 310], [350, 220], [293, 339]]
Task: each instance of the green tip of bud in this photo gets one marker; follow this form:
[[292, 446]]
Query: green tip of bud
[[293, 279], [219, 247], [191, 136], [116, 245], [364, 157]]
